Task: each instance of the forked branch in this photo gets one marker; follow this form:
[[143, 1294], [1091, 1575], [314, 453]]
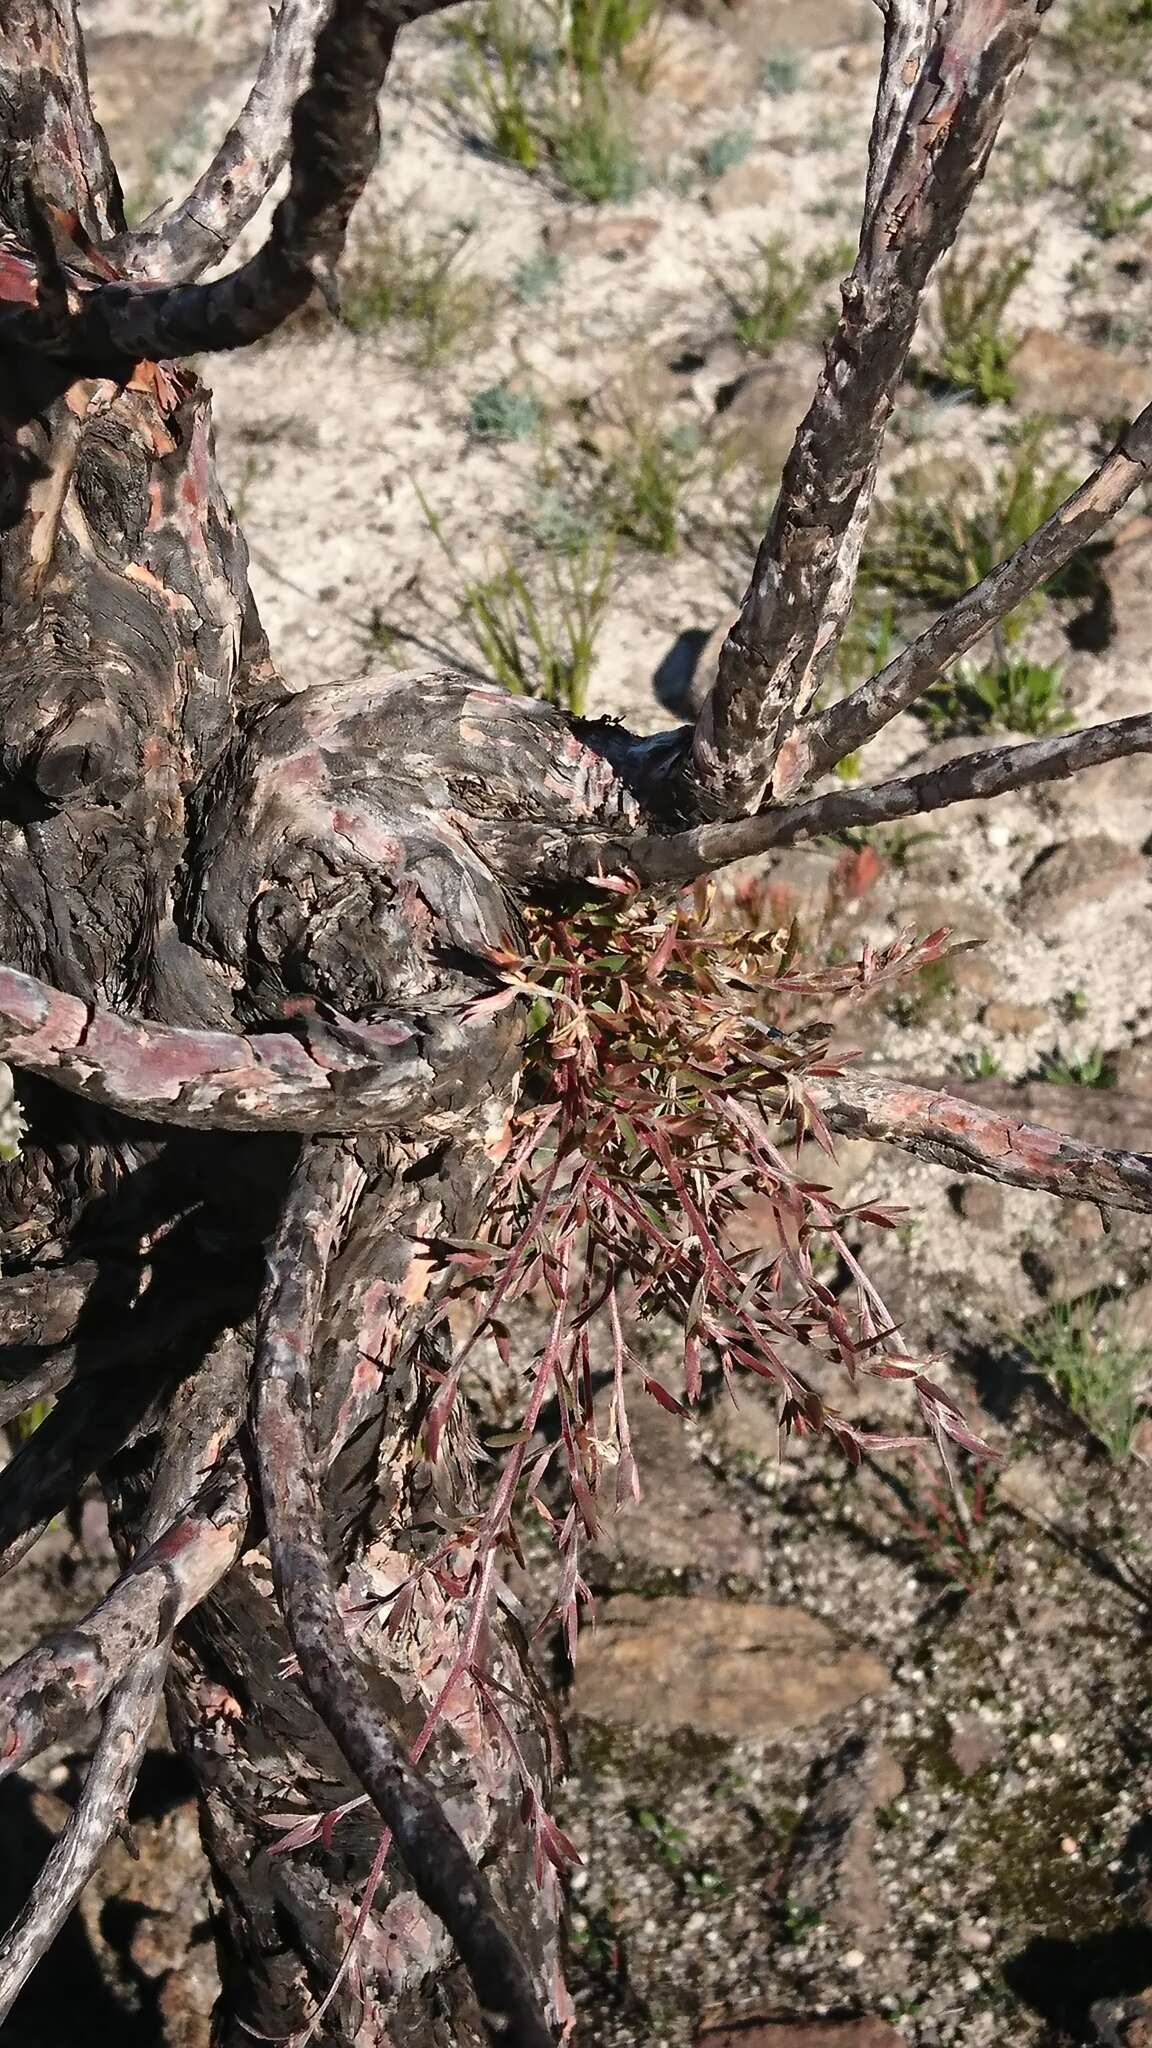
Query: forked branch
[[202, 1408], [201, 230], [659, 861], [335, 136], [50, 1691], [929, 147], [291, 1463], [858, 717]]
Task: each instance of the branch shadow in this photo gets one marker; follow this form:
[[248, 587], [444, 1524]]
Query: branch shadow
[[69, 1997]]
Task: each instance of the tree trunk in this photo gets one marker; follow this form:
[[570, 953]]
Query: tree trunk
[[182, 838]]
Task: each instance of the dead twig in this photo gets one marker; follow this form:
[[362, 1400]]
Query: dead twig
[[858, 717], [970, 1139]]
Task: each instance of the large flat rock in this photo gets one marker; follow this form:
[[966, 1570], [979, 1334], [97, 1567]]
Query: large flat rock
[[722, 1667]]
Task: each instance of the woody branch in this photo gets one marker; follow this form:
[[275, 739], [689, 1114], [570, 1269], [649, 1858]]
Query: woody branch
[[929, 146]]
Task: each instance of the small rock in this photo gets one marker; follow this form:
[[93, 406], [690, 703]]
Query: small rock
[[981, 1203], [752, 183], [1132, 1067], [187, 1997], [966, 918], [694, 66], [1027, 1487], [1015, 1020], [615, 236], [832, 1867], [721, 1667], [1072, 379], [790, 24], [759, 412], [1123, 2022], [974, 971], [1083, 1223], [977, 1940], [1080, 875], [684, 1521], [973, 1743], [159, 1943], [799, 2032]]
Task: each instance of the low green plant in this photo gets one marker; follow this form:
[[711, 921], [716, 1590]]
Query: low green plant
[[1094, 1070], [556, 105], [972, 350], [782, 73], [646, 483], [867, 643], [774, 295], [536, 641], [932, 988], [592, 149], [935, 542], [399, 278], [1011, 694], [558, 523], [731, 147], [1104, 1381], [978, 1066], [1111, 36], [500, 414], [538, 275], [597, 36], [1105, 184], [500, 80]]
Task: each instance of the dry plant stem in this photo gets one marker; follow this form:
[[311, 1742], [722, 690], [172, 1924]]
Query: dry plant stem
[[324, 1188], [801, 589], [968, 1139], [201, 230], [49, 1692], [858, 717], [335, 134], [199, 1413]]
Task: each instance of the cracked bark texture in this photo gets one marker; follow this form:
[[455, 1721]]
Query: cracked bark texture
[[181, 838]]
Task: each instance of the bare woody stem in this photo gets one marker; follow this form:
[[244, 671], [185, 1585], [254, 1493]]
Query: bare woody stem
[[970, 1139], [201, 1408], [202, 229], [929, 148], [677, 858], [290, 1461], [51, 1690], [337, 1075], [335, 137], [858, 717]]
